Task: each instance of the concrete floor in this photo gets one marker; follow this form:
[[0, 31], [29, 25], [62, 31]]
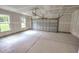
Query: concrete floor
[[39, 42]]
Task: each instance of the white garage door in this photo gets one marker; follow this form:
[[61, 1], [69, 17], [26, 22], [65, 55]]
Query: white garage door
[[45, 25]]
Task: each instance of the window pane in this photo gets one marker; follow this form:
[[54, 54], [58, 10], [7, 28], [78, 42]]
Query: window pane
[[4, 23], [4, 27], [4, 18], [23, 22], [23, 25]]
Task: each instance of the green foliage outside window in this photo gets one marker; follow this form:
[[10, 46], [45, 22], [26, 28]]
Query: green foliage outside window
[[4, 23]]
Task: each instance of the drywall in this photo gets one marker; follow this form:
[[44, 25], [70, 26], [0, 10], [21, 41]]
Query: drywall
[[75, 23], [64, 22], [15, 22]]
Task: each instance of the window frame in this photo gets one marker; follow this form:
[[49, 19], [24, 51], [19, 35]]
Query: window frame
[[8, 22], [23, 20]]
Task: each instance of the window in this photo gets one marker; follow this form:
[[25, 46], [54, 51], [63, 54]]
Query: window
[[23, 22], [4, 23]]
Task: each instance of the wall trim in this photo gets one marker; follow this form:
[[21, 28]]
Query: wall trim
[[64, 32], [14, 33]]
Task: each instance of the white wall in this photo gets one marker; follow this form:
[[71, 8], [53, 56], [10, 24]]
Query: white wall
[[15, 22], [64, 22], [75, 23]]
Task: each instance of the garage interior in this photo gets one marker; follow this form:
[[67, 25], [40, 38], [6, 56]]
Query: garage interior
[[39, 29]]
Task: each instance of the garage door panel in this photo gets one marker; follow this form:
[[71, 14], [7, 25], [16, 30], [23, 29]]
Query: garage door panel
[[45, 25]]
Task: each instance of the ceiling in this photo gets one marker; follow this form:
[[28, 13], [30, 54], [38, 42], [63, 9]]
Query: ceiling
[[46, 10]]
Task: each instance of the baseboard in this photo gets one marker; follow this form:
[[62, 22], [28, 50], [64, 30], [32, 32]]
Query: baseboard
[[64, 32], [14, 33], [75, 35]]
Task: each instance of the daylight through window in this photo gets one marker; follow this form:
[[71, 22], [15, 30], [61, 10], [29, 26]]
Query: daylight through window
[[4, 23]]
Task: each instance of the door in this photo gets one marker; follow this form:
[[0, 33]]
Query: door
[[44, 25]]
